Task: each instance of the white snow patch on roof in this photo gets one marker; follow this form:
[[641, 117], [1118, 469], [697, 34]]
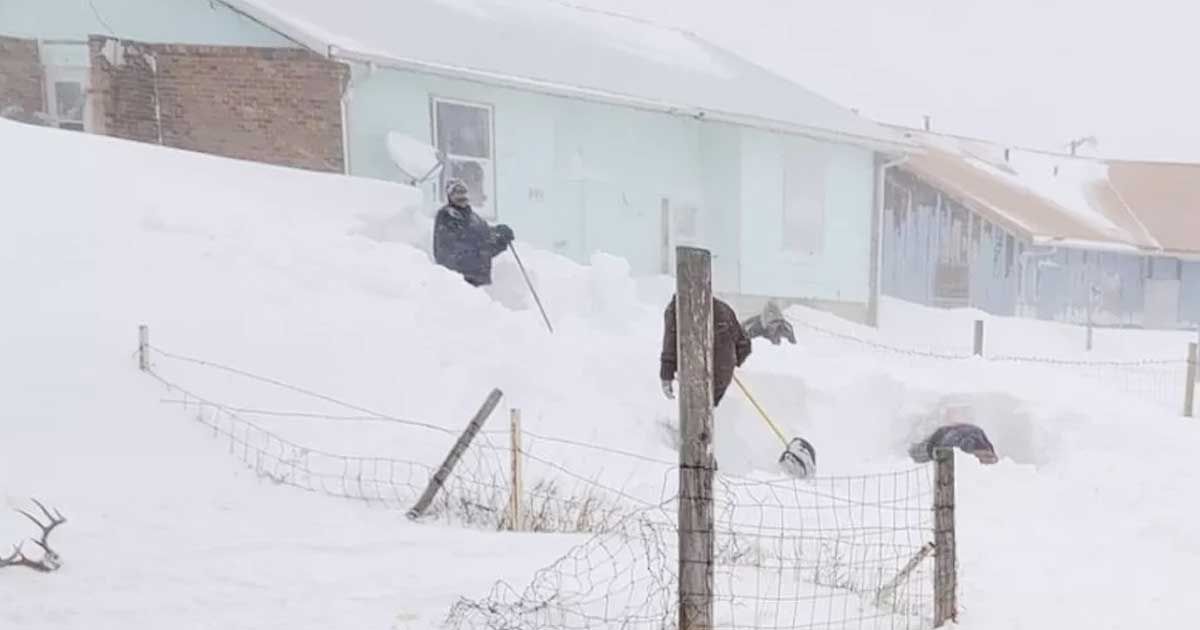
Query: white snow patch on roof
[[1066, 182], [549, 42]]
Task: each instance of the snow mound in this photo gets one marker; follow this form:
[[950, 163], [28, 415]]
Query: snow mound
[[325, 282]]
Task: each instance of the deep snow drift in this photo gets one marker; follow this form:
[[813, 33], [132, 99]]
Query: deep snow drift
[[324, 282]]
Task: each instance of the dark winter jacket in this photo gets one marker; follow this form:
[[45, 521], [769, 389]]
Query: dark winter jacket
[[731, 347], [966, 437], [771, 325], [464, 242]]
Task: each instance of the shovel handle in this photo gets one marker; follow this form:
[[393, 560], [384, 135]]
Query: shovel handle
[[761, 412]]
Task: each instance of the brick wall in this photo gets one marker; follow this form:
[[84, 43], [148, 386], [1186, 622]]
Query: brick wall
[[21, 75], [280, 106], [122, 92]]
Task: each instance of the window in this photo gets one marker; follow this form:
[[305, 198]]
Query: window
[[66, 83], [463, 133], [803, 201], [69, 99]]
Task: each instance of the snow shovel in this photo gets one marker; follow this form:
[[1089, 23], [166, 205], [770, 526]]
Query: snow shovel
[[799, 458], [529, 284]]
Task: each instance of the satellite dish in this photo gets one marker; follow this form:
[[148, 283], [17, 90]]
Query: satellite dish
[[418, 161]]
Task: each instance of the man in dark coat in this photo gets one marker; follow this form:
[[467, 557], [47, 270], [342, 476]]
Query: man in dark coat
[[770, 324], [463, 241], [731, 347], [965, 437]]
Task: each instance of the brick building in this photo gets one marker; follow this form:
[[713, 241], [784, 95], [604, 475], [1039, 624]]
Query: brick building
[[279, 104]]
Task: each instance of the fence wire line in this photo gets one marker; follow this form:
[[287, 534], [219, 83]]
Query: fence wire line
[[370, 415], [295, 388], [477, 493], [826, 553], [1154, 380], [851, 552]]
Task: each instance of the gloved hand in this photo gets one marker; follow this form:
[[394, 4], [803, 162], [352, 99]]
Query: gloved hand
[[668, 388], [504, 234]]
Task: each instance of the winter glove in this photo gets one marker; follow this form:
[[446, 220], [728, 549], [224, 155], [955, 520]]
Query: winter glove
[[668, 388], [504, 235]]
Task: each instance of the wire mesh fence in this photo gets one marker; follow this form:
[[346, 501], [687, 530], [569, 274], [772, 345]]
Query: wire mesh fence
[[477, 493], [825, 553], [846, 552]]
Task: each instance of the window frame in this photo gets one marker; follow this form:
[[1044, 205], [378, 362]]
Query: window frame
[[54, 73], [492, 209]]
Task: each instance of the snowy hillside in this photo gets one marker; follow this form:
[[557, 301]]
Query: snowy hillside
[[324, 283]]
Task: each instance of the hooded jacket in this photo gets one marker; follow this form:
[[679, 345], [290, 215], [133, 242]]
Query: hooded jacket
[[731, 347]]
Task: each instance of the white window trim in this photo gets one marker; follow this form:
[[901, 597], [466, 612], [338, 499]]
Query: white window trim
[[492, 210]]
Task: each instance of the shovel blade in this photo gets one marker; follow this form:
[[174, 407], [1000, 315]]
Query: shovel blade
[[800, 459]]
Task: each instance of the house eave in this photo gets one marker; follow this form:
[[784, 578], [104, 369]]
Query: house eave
[[1115, 247], [610, 98]]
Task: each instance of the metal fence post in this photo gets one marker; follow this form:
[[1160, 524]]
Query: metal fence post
[[694, 325], [1189, 388], [144, 348], [447, 467], [945, 577], [514, 505], [979, 337]]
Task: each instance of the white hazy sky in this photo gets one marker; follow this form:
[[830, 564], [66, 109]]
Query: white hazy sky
[[1031, 72]]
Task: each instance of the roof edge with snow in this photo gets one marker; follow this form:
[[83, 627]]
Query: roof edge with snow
[[329, 45]]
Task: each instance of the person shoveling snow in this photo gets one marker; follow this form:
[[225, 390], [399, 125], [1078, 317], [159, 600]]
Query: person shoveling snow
[[463, 241], [731, 348]]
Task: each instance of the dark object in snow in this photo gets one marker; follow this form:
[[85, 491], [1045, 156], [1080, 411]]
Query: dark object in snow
[[799, 458], [965, 437], [731, 347], [463, 241], [50, 561], [771, 325]]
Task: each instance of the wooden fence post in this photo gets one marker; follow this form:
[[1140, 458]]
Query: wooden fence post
[[694, 325], [443, 473], [945, 577], [514, 501], [1193, 373], [144, 348], [979, 337]]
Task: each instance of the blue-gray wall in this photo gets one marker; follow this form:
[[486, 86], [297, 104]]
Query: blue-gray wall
[[938, 252], [578, 177]]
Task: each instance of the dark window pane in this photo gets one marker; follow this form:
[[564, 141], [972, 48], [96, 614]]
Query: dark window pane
[[464, 130], [70, 98]]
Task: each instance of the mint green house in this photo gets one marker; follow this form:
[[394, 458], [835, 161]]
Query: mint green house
[[583, 130]]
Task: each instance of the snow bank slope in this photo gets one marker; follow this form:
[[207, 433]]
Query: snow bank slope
[[324, 282]]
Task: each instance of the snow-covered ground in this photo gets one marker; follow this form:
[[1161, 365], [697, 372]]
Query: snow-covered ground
[[324, 282]]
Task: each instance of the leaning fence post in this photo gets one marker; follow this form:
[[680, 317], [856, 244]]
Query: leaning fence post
[[979, 337], [144, 348], [694, 325], [439, 478], [1189, 388], [514, 501], [945, 577]]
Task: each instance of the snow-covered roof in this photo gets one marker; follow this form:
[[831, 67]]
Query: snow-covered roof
[[548, 45], [1066, 200]]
